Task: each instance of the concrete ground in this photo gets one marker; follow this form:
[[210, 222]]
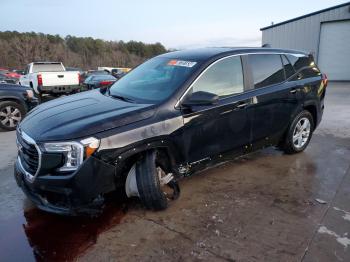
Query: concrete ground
[[263, 207]]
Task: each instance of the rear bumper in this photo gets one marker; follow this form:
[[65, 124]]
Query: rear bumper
[[80, 193], [58, 89]]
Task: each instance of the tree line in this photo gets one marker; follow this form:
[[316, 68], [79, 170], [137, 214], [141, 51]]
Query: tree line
[[18, 49]]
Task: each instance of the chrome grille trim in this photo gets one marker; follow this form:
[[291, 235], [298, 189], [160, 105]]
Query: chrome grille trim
[[29, 176]]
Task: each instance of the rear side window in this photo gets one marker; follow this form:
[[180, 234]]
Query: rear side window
[[223, 78], [267, 69]]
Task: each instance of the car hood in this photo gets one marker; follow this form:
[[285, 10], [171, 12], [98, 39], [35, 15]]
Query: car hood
[[81, 115]]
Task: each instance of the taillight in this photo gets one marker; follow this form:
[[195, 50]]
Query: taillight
[[105, 83], [324, 80], [40, 80], [80, 79]]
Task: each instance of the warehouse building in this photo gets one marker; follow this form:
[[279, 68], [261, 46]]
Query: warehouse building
[[325, 34]]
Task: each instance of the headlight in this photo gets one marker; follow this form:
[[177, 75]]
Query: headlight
[[74, 152], [90, 144]]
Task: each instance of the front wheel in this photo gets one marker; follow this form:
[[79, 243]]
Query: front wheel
[[299, 133], [156, 187]]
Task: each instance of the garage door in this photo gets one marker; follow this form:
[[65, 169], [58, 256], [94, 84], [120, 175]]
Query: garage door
[[334, 52]]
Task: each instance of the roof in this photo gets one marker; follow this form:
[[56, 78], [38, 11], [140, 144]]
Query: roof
[[304, 16], [203, 54]]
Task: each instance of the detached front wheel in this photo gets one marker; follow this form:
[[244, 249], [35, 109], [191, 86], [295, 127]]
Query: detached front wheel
[[156, 186]]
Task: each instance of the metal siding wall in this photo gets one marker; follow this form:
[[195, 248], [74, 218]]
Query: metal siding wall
[[302, 34]]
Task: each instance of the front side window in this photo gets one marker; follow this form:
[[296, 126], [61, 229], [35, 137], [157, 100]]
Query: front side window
[[154, 81], [267, 69], [224, 78]]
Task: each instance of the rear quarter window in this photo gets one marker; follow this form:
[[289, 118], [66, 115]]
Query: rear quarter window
[[288, 68], [304, 65], [267, 69]]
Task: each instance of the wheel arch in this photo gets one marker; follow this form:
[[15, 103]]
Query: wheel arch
[[13, 99], [313, 111], [125, 159]]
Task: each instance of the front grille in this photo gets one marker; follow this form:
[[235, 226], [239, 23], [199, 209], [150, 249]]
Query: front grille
[[28, 154]]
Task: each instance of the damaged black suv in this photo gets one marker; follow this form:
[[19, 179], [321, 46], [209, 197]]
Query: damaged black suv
[[171, 116]]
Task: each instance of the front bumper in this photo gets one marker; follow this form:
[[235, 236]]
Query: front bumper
[[80, 193]]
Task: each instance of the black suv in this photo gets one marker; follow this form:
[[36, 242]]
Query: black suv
[[15, 102], [169, 117]]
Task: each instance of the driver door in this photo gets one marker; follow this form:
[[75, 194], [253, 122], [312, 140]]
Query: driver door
[[210, 130]]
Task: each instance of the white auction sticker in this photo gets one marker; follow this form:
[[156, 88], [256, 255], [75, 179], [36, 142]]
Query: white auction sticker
[[182, 63]]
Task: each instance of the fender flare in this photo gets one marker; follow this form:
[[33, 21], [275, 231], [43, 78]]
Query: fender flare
[[173, 153], [14, 98], [315, 114]]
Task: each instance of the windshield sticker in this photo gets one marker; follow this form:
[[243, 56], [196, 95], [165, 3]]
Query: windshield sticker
[[181, 63]]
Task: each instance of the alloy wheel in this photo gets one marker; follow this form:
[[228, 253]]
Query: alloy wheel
[[167, 185], [10, 116], [301, 132]]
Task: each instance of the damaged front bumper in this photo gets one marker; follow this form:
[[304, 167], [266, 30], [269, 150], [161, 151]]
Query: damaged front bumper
[[74, 194]]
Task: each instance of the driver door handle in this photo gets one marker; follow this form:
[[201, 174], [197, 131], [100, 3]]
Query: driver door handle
[[293, 91]]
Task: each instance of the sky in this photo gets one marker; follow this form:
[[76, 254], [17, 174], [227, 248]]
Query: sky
[[179, 24]]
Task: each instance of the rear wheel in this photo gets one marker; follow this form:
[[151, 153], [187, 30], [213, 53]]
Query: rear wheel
[[299, 133], [11, 114], [156, 186]]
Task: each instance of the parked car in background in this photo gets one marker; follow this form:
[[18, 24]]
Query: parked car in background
[[173, 115], [93, 72], [109, 69], [10, 77], [13, 74], [96, 72], [10, 74], [5, 79], [97, 81], [15, 102], [117, 73], [20, 71], [50, 78]]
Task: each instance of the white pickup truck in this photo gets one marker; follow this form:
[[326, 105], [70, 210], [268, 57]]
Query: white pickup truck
[[50, 78]]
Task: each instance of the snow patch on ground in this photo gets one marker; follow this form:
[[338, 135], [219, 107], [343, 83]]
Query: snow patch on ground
[[341, 240]]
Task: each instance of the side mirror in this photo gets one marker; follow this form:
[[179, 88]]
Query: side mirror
[[201, 98]]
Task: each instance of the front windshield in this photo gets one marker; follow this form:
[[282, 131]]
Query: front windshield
[[153, 81]]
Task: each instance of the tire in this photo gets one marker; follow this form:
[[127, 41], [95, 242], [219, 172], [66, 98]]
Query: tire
[[11, 114], [149, 187], [298, 138]]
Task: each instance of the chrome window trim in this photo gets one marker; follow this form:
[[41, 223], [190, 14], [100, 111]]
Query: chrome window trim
[[30, 177], [216, 61]]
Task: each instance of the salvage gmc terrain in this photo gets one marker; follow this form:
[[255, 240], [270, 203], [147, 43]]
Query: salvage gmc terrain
[[169, 117]]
